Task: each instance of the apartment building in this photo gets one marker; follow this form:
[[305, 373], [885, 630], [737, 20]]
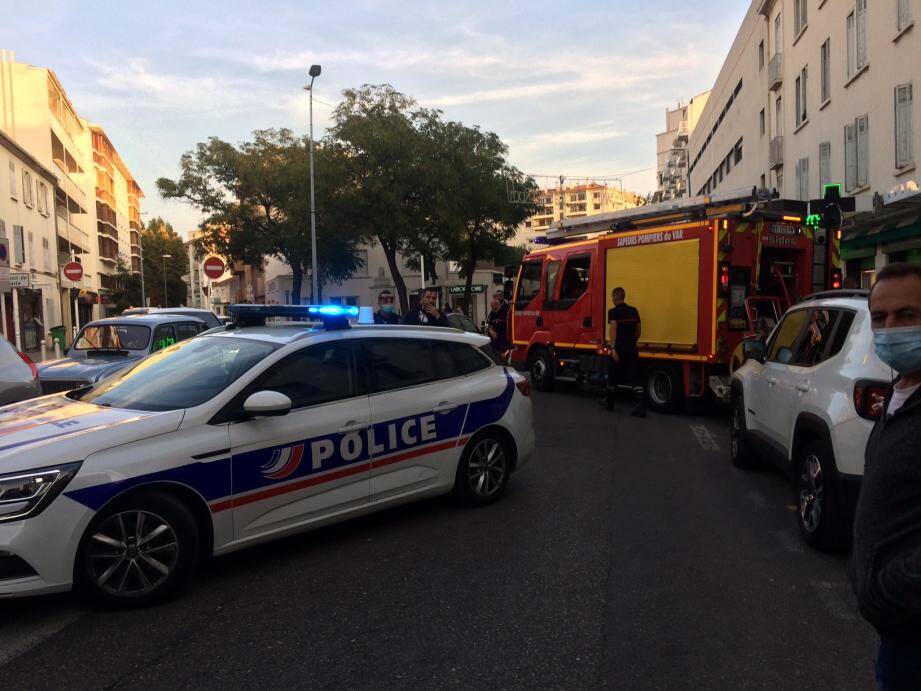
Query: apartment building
[[815, 92], [30, 296], [672, 148], [97, 201]]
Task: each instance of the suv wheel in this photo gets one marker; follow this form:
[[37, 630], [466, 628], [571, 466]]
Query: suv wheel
[[664, 388], [542, 370], [821, 519], [140, 551], [742, 454]]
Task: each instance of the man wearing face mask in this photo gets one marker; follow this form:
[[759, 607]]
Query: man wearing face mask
[[386, 312], [886, 559]]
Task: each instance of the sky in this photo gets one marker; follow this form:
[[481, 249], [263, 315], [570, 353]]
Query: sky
[[574, 90]]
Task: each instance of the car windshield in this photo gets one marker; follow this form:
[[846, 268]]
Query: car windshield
[[181, 376], [113, 337]]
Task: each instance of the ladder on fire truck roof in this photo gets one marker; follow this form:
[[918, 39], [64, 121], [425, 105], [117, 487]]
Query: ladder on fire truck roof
[[664, 212]]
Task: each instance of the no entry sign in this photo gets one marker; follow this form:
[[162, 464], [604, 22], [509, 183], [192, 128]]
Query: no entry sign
[[213, 267], [73, 271]]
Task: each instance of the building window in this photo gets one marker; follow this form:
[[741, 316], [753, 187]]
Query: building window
[[42, 201], [851, 45], [19, 245], [800, 17], [857, 38], [737, 151], [826, 70], [824, 165], [13, 180], [762, 122], [862, 57], [763, 181], [856, 153], [801, 111], [761, 56], [27, 195], [903, 133], [802, 179], [597, 207], [903, 14], [778, 117]]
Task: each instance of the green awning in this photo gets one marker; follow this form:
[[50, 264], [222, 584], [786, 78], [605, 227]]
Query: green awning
[[870, 236]]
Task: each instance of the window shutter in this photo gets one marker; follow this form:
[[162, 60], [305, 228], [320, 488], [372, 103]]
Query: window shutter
[[863, 150], [850, 156], [861, 33], [804, 180], [903, 138], [904, 14], [851, 45], [824, 165]]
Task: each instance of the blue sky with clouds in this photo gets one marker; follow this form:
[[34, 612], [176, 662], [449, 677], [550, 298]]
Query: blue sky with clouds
[[578, 90]]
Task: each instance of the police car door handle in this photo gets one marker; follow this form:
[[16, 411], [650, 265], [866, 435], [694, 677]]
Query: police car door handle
[[353, 426], [771, 381], [444, 407], [803, 386]]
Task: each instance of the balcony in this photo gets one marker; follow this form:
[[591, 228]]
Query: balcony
[[775, 72], [108, 250], [136, 264], [776, 154]]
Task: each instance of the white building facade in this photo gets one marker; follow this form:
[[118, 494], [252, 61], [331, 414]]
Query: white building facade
[[672, 148], [817, 92]]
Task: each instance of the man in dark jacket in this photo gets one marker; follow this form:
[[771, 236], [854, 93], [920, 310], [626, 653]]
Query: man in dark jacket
[[427, 313], [886, 560], [386, 309]]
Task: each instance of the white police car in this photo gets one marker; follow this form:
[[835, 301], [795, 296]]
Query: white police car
[[243, 435]]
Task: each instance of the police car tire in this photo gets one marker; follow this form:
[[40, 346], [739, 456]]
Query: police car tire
[[179, 518], [541, 362], [463, 492]]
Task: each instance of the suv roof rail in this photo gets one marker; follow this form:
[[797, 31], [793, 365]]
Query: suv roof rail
[[825, 294]]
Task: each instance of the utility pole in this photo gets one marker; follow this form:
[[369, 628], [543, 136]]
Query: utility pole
[[314, 73]]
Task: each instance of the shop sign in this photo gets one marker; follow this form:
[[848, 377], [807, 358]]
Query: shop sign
[[475, 288]]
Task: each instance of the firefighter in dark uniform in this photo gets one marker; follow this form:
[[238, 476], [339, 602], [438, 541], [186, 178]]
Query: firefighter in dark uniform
[[624, 365]]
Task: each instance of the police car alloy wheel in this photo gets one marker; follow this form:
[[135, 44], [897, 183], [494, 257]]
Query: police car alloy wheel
[[483, 471], [139, 552]]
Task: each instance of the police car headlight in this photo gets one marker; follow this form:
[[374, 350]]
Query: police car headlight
[[26, 494]]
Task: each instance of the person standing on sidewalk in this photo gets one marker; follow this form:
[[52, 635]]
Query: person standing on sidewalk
[[624, 366], [886, 558]]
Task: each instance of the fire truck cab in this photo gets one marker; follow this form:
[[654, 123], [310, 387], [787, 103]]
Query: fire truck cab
[[705, 273]]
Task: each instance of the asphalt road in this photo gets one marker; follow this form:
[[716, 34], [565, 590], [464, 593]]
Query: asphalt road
[[628, 554]]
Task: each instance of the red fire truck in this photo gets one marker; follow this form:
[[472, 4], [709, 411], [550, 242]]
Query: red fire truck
[[704, 273]]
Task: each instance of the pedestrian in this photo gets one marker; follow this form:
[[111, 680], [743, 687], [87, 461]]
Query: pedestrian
[[886, 557], [496, 328], [623, 365], [386, 309], [427, 313]]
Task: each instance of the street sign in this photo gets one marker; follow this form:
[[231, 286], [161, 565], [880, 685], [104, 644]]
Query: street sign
[[213, 267], [20, 279], [4, 252], [73, 271], [475, 288]]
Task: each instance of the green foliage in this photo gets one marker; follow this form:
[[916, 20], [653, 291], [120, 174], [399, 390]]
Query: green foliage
[[158, 239], [256, 198]]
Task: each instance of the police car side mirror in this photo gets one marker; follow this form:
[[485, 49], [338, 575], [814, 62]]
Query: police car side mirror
[[754, 350], [266, 403]]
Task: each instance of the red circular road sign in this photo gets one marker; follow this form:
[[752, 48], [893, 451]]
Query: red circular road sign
[[214, 267], [73, 271]]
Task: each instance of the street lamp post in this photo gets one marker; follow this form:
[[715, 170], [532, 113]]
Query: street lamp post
[[314, 73], [165, 257]]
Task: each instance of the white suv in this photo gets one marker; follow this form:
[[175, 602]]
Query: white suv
[[806, 400]]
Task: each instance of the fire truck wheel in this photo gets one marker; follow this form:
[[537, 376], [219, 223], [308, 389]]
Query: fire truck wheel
[[664, 388], [542, 370]]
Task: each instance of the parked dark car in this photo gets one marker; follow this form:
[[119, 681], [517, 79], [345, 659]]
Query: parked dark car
[[207, 316], [18, 376], [107, 346]]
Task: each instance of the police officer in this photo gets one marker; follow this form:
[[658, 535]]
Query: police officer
[[427, 313], [386, 310], [625, 329]]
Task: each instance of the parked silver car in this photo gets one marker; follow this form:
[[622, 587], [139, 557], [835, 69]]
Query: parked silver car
[[18, 377], [207, 316], [107, 346]]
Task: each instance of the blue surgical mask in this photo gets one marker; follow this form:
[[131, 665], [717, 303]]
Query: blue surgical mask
[[387, 309], [900, 348]]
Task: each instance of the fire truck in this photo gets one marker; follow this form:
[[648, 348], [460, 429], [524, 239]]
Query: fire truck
[[704, 272]]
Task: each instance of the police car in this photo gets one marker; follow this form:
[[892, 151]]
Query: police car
[[242, 435]]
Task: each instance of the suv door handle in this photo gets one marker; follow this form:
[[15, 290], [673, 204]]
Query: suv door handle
[[803, 386], [353, 426], [444, 407]]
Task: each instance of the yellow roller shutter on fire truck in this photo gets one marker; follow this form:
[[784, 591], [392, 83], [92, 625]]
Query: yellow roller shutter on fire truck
[[662, 282]]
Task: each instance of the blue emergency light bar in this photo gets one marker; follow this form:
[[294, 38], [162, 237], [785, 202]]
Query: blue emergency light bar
[[332, 316]]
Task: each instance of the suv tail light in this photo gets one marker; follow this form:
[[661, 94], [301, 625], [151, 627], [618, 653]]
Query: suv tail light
[[869, 398], [28, 361], [524, 386], [836, 281]]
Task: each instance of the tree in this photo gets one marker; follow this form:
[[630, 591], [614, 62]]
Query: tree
[[256, 199], [159, 239], [389, 171], [127, 291]]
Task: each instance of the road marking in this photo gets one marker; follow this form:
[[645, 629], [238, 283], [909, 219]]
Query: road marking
[[704, 438], [31, 630], [757, 498], [838, 598], [789, 542]]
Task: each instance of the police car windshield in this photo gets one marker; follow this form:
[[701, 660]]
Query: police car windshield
[[181, 376]]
